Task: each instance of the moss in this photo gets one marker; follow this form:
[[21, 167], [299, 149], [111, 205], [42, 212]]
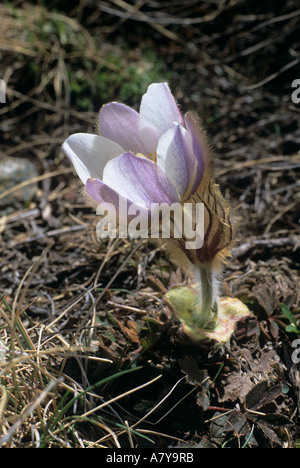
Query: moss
[[116, 76]]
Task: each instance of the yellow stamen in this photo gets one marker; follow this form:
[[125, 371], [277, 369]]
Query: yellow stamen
[[151, 156]]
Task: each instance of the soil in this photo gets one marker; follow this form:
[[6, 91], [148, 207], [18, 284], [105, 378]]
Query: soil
[[234, 63]]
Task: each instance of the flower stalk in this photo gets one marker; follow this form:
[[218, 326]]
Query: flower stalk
[[207, 301], [204, 314]]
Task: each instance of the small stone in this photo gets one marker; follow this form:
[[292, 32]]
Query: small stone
[[14, 171]]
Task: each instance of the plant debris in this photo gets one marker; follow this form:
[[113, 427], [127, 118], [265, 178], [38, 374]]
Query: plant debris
[[90, 355]]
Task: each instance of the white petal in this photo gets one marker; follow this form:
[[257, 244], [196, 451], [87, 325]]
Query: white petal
[[90, 154], [176, 158], [159, 107], [149, 135]]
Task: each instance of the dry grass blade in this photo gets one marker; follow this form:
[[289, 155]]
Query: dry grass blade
[[158, 404], [274, 75], [129, 392], [132, 12], [29, 411], [3, 403], [33, 180]]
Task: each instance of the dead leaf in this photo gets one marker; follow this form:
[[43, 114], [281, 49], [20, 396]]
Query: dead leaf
[[261, 395], [195, 376], [131, 331], [251, 369]]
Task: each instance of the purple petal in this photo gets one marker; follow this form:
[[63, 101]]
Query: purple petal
[[102, 193], [120, 123], [139, 180], [124, 210], [200, 147], [176, 157]]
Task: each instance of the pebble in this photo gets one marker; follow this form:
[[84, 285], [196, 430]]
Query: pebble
[[13, 171]]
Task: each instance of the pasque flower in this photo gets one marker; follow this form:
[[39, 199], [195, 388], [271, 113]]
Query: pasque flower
[[146, 157], [160, 156]]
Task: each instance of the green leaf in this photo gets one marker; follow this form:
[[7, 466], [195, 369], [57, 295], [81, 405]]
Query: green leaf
[[292, 327]]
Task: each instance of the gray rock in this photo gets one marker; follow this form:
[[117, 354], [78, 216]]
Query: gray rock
[[14, 171]]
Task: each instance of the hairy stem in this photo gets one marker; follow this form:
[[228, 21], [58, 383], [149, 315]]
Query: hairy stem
[[205, 313]]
